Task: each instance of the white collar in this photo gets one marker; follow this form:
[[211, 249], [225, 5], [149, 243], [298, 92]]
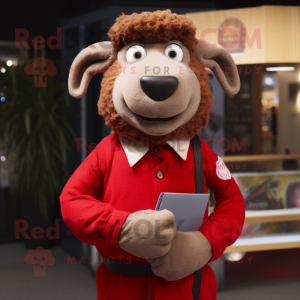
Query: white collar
[[136, 150]]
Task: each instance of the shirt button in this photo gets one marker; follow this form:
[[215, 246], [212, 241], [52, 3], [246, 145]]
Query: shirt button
[[156, 148], [159, 175]]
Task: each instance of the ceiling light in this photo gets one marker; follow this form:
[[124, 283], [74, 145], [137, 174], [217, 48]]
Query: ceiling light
[[3, 70], [269, 81], [235, 256], [280, 69], [9, 63]]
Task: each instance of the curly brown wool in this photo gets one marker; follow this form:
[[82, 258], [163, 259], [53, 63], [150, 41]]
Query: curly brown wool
[[156, 27]]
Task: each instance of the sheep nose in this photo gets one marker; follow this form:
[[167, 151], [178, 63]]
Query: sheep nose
[[159, 88]]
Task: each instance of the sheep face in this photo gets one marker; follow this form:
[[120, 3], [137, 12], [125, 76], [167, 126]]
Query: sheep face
[[157, 91]]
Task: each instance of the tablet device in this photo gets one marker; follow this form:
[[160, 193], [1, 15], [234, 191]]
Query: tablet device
[[188, 209]]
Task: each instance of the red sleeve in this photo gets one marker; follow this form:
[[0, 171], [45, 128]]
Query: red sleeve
[[225, 224], [88, 218]]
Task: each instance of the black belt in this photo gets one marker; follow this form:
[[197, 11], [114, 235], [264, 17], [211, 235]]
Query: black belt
[[144, 269], [128, 268]]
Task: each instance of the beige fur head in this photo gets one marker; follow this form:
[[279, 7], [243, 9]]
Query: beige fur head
[[156, 87]]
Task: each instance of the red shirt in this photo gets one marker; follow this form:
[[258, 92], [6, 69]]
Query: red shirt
[[104, 190]]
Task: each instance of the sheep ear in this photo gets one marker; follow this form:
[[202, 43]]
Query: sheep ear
[[217, 59], [90, 61]]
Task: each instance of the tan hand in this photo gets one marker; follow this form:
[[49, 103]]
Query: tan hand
[[189, 252], [148, 233]]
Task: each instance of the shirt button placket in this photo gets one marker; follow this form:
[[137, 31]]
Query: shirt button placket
[[159, 175], [156, 149]]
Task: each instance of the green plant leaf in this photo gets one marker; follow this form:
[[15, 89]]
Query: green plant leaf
[[35, 133]]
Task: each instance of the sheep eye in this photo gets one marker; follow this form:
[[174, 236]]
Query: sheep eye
[[135, 53], [174, 52]]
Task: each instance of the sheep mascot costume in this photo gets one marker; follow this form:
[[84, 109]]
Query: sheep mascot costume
[[155, 96]]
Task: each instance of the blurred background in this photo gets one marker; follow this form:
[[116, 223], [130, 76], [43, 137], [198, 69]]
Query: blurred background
[[45, 134]]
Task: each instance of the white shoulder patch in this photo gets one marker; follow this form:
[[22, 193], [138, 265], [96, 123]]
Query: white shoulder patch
[[221, 169]]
